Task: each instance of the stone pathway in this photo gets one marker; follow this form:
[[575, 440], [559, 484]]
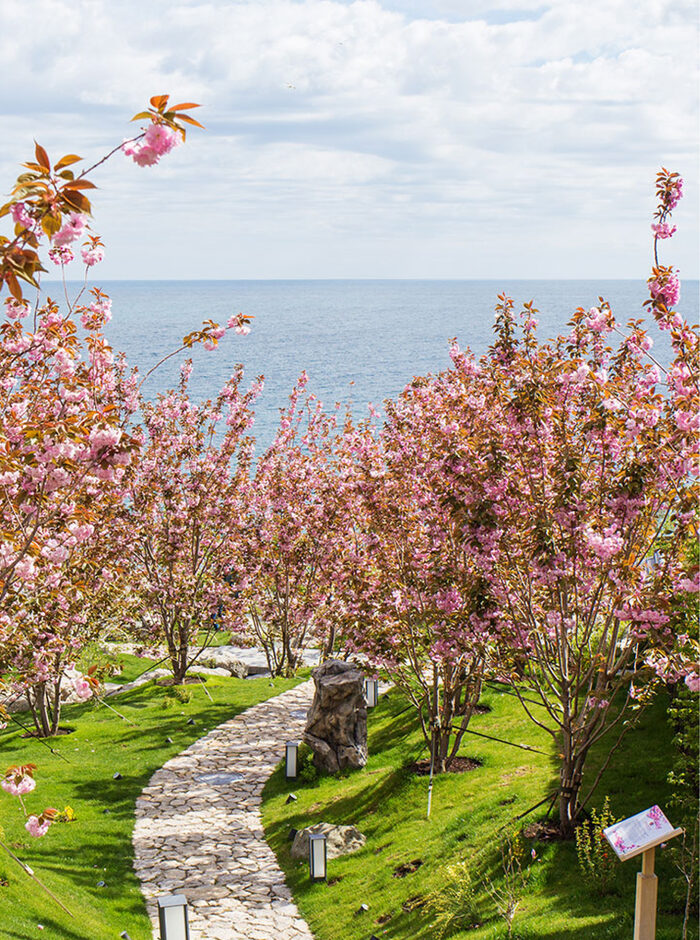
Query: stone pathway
[[204, 837]]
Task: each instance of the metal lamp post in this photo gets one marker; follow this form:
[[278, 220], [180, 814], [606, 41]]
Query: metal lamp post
[[172, 917], [317, 856], [291, 760], [371, 692]]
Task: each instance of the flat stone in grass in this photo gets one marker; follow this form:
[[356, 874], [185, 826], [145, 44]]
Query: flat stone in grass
[[340, 840]]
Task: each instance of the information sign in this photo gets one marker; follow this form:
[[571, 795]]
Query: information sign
[[635, 835]]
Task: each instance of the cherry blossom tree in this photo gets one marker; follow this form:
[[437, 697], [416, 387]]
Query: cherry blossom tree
[[577, 504], [180, 531], [300, 520], [420, 609], [65, 412]]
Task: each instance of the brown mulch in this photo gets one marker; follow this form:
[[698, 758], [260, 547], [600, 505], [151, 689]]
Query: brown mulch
[[384, 919], [459, 765], [408, 868], [35, 733], [481, 709], [545, 830]]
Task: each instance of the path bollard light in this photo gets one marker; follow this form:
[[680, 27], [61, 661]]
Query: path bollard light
[[291, 760], [172, 916], [371, 692], [317, 856]]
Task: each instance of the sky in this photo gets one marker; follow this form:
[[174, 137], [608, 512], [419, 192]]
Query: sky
[[373, 138]]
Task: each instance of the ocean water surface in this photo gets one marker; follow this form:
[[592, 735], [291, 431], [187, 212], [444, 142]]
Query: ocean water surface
[[360, 341]]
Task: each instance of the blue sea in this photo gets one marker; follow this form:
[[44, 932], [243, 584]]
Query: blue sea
[[359, 340]]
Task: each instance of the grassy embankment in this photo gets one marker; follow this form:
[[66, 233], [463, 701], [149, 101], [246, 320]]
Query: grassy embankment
[[388, 804], [74, 857]]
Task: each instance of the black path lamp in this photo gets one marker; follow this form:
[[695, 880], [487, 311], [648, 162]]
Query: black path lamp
[[317, 856], [291, 760], [172, 917], [371, 692]]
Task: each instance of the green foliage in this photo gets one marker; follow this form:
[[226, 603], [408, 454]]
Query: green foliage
[[453, 905], [683, 714], [177, 695], [596, 858], [307, 770], [506, 890], [94, 656]]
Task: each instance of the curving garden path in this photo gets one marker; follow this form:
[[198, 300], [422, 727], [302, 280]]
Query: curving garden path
[[201, 835]]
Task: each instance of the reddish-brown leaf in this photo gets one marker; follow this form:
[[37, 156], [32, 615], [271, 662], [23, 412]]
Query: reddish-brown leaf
[[159, 101], [42, 157], [69, 159], [79, 184], [13, 285], [190, 120], [184, 107], [76, 200]]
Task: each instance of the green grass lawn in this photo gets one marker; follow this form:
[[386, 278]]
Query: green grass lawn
[[74, 857], [388, 803]]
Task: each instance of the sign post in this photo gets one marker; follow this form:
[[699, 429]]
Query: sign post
[[639, 835]]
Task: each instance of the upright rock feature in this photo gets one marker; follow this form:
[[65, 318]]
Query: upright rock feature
[[336, 726]]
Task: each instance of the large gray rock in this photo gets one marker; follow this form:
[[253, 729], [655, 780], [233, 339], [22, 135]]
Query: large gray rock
[[222, 658], [336, 725], [340, 840]]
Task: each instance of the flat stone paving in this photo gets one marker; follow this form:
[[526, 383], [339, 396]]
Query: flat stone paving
[[206, 841]]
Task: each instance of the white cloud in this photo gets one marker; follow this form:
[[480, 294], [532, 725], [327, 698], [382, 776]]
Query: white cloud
[[395, 138]]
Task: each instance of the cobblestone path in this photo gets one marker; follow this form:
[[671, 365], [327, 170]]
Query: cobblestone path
[[201, 836]]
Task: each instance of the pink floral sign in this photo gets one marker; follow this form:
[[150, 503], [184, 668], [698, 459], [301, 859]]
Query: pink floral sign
[[631, 836]]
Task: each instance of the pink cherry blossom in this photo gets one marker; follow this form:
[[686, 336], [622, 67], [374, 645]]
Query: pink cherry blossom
[[16, 309], [162, 139], [82, 688], [72, 228], [18, 787], [36, 828], [663, 230], [61, 255], [92, 255], [668, 290]]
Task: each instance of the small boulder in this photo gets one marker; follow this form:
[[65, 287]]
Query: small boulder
[[340, 840], [222, 658]]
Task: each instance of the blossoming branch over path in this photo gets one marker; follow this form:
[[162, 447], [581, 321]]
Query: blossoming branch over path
[[201, 836]]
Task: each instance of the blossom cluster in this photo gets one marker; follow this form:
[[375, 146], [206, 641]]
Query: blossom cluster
[[158, 140]]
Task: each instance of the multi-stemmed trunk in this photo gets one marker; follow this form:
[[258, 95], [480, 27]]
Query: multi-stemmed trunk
[[45, 703]]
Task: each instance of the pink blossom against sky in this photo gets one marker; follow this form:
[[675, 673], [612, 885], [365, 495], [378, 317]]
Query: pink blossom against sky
[[395, 138]]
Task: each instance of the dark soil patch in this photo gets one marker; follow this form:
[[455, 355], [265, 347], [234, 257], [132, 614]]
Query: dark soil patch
[[384, 919], [481, 709], [459, 765], [408, 868], [35, 733], [545, 830], [336, 880]]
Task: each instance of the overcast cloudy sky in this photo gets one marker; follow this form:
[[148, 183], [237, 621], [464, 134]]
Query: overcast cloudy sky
[[374, 138]]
